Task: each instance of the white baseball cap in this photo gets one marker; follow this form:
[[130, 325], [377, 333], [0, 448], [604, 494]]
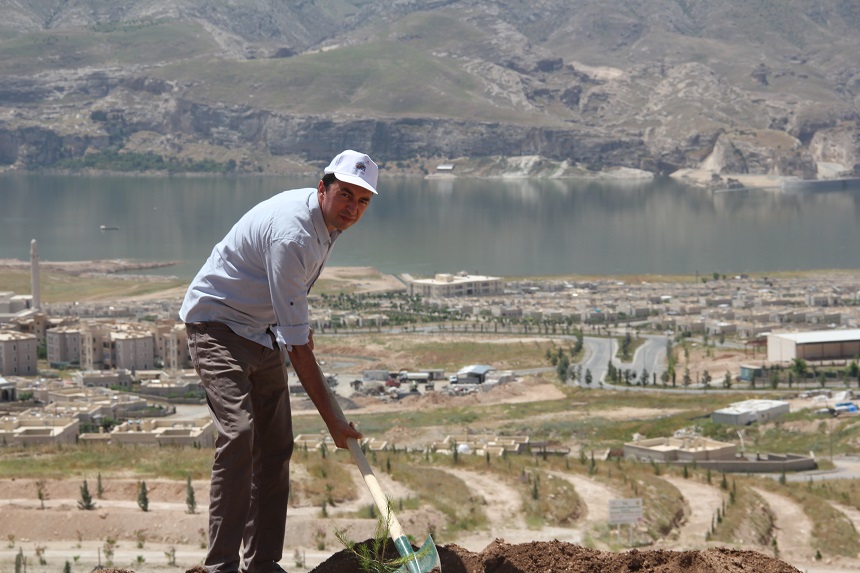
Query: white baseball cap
[[353, 167]]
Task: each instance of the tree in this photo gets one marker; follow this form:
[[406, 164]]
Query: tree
[[727, 380], [142, 496], [561, 368], [799, 367], [625, 345], [588, 377], [854, 370], [687, 380], [42, 492], [706, 379], [189, 497], [774, 379], [611, 373], [86, 501]]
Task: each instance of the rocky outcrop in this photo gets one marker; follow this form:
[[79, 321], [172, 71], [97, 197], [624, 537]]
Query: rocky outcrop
[[33, 147], [839, 146], [762, 152]]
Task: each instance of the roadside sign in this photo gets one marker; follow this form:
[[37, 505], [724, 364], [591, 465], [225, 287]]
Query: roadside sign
[[625, 511]]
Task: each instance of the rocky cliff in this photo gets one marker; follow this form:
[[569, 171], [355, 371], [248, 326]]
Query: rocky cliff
[[763, 88]]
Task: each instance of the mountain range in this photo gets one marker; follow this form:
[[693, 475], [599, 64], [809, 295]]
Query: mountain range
[[541, 87]]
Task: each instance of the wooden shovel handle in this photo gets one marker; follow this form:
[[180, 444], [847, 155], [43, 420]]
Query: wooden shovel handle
[[375, 491], [367, 473]]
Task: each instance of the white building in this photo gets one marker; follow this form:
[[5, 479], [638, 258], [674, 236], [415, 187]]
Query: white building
[[462, 284], [815, 345], [749, 411]]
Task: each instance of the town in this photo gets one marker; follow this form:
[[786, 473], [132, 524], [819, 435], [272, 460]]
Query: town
[[114, 371]]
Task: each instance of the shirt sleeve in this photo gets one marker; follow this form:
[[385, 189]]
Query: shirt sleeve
[[288, 270]]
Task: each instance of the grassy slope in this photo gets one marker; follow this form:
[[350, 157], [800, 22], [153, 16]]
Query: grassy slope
[[62, 287], [130, 45], [382, 77]]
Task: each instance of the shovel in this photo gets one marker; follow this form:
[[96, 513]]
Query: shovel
[[427, 557]]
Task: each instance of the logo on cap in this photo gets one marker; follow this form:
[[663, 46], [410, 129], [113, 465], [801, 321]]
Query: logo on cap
[[359, 166]]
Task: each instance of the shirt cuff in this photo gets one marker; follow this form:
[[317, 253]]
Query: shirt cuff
[[289, 336]]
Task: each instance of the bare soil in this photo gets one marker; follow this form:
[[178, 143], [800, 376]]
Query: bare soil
[[559, 556]]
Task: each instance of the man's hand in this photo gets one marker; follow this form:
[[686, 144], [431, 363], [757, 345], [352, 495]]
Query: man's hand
[[345, 431]]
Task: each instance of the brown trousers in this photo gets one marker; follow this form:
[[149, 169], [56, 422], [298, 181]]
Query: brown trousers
[[248, 398]]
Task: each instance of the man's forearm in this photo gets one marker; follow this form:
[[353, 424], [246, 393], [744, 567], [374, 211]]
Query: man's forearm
[[306, 367], [311, 377]]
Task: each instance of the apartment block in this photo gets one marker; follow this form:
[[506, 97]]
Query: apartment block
[[18, 354], [63, 345]]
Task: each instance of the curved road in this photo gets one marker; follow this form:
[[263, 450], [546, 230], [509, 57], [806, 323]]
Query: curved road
[[651, 356]]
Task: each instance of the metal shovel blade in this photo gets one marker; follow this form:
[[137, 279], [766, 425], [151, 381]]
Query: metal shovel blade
[[424, 560]]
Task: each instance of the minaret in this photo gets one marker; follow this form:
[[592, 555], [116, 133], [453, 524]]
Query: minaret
[[34, 274]]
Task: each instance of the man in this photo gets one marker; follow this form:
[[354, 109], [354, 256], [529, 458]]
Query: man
[[247, 304]]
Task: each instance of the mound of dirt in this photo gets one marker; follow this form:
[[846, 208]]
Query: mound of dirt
[[562, 557]]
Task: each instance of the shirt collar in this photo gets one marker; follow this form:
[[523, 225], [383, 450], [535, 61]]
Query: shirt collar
[[319, 220]]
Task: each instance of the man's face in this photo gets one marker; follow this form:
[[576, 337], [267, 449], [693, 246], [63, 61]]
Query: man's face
[[342, 204]]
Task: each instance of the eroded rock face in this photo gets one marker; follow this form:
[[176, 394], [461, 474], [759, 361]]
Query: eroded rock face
[[764, 152], [840, 146]]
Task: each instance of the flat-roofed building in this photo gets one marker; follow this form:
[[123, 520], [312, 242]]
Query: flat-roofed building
[[18, 353], [12, 304], [151, 432], [448, 285], [37, 429], [813, 345], [95, 345], [750, 371], [132, 350], [8, 391], [63, 345], [183, 384], [684, 449], [171, 345], [749, 411], [103, 378]]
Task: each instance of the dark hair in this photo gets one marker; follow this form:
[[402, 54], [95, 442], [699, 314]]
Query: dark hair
[[328, 179]]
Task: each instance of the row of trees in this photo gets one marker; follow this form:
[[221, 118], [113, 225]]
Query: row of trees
[[86, 502]]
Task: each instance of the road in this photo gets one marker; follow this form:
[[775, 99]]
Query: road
[[650, 356]]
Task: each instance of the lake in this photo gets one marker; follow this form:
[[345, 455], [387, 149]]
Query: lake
[[504, 227]]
